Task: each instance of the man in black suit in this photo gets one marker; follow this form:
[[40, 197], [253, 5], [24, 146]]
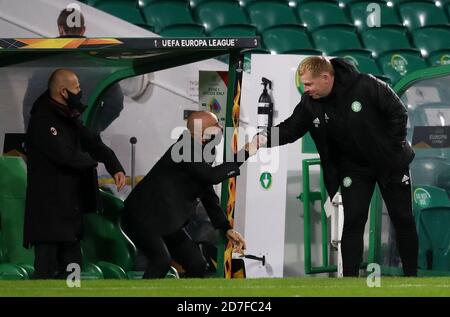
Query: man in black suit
[[160, 206]]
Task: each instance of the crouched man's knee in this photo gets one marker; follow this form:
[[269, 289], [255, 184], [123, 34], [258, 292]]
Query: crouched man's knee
[[196, 267]]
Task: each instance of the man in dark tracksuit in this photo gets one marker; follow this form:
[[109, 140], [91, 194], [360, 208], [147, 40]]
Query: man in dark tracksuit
[[159, 207], [359, 127], [62, 157]]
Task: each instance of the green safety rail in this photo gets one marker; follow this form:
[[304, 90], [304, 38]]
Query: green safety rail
[[308, 197]]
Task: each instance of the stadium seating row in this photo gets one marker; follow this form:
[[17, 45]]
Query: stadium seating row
[[413, 34]]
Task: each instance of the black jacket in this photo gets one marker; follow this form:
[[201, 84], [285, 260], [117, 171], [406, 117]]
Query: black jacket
[[62, 157], [167, 196], [378, 129]]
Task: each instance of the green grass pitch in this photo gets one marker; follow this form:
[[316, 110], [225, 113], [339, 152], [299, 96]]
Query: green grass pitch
[[306, 286]]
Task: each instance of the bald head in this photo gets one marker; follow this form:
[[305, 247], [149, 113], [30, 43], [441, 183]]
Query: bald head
[[201, 123], [61, 81]]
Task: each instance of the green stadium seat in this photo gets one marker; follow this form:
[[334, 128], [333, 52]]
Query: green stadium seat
[[381, 40], [245, 3], [296, 3], [360, 15], [399, 2], [234, 31], [183, 31], [317, 14], [13, 184], [144, 3], [195, 3], [104, 243], [432, 214], [434, 238], [161, 15], [125, 9], [265, 14], [2, 255], [419, 14], [107, 252], [9, 271], [337, 40], [289, 39], [397, 64], [364, 62], [447, 6], [215, 14], [436, 42], [431, 204], [344, 3]]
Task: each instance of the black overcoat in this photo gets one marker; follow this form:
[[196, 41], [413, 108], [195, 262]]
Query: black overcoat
[[62, 156]]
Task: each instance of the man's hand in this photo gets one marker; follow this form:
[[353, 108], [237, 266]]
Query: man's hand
[[237, 240], [258, 141], [251, 148], [119, 179]]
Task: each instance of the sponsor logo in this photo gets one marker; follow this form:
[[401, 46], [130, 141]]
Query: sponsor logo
[[399, 63], [422, 197]]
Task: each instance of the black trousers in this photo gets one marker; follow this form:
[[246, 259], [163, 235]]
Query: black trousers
[[356, 200], [160, 250], [51, 259]]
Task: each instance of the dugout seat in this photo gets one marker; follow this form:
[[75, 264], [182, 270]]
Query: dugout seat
[[431, 207], [103, 238], [16, 260]]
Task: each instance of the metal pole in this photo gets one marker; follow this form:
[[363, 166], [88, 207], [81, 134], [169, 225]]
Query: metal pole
[[323, 217], [337, 223], [133, 142], [306, 216]]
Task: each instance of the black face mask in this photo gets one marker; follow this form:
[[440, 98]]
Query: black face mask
[[74, 100]]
